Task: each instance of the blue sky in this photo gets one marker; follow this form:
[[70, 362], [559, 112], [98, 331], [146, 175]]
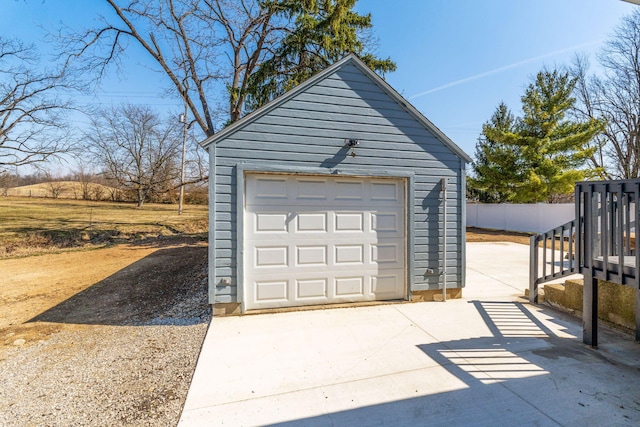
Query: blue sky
[[457, 59]]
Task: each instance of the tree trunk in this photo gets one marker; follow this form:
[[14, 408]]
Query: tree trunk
[[140, 197]]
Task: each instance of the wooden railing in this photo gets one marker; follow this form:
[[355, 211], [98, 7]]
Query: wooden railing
[[607, 211], [559, 249], [600, 244]]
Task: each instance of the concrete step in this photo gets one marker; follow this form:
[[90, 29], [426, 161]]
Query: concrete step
[[616, 303]]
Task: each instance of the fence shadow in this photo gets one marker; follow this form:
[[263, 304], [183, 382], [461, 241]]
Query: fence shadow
[[522, 373]]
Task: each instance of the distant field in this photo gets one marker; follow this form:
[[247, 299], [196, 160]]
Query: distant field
[[30, 225], [62, 190]]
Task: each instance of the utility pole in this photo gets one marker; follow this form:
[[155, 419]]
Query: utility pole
[[183, 120]]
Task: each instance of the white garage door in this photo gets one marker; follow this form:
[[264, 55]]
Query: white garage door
[[319, 240]]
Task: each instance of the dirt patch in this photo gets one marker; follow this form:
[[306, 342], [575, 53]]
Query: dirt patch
[[123, 279], [486, 235], [35, 284], [102, 337], [143, 290], [124, 284]]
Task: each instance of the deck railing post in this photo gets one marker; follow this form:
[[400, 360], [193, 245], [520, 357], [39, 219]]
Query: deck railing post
[[636, 245], [590, 310], [637, 313], [589, 297], [578, 230], [533, 270], [562, 230], [544, 255], [604, 230], [553, 252], [602, 238], [620, 233]]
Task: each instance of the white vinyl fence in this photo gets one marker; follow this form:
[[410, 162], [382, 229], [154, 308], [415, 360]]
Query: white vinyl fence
[[530, 218]]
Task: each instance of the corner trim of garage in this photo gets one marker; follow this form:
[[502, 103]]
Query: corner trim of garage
[[410, 230]]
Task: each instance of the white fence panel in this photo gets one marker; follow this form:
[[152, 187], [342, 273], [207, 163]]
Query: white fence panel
[[529, 218]]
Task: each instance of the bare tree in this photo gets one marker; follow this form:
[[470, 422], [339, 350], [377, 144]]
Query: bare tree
[[97, 192], [614, 96], [213, 51], [190, 41], [7, 181], [584, 108], [86, 181], [136, 149], [54, 184], [31, 123], [251, 32]]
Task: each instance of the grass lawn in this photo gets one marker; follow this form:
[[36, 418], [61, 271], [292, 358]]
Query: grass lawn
[[30, 226]]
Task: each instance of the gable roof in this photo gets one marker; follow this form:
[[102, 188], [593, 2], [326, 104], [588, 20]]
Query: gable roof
[[357, 62]]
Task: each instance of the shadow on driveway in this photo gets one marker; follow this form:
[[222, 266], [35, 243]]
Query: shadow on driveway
[[524, 373]]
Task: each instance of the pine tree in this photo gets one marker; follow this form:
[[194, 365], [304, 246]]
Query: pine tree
[[495, 171], [552, 149], [323, 32]]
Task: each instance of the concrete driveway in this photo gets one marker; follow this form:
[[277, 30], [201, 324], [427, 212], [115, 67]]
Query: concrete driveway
[[490, 359]]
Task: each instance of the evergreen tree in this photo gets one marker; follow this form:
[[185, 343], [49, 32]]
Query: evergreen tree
[[495, 171], [323, 32], [551, 148]]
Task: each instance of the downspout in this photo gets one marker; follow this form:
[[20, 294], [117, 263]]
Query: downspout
[[444, 239]]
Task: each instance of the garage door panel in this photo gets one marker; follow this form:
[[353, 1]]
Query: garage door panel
[[349, 286], [349, 190], [311, 222], [349, 254], [349, 221], [312, 189], [319, 240], [316, 289], [266, 188], [386, 222], [269, 222], [271, 291], [386, 284], [385, 253], [385, 190], [271, 256], [313, 256]]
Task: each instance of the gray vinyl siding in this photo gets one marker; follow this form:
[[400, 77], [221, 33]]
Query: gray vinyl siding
[[308, 132]]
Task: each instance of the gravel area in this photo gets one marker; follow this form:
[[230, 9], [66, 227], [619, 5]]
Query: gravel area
[[133, 373]]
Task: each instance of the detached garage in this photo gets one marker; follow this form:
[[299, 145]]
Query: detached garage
[[339, 191]]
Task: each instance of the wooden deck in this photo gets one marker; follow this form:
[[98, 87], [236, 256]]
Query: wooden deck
[[602, 245]]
